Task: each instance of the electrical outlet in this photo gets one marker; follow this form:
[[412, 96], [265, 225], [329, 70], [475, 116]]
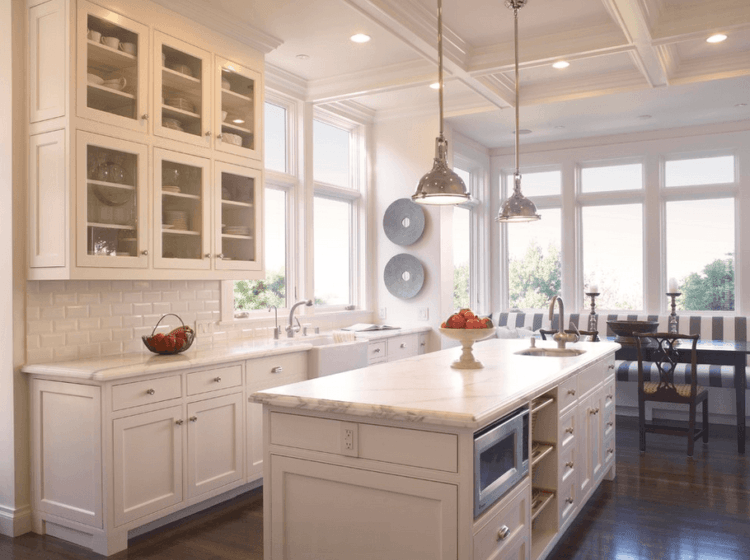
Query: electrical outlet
[[203, 327], [382, 313], [424, 313], [349, 439]]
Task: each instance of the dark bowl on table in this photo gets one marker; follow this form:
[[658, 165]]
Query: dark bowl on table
[[624, 331]]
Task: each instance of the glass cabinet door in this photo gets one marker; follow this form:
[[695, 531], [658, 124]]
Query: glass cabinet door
[[181, 91], [237, 117], [112, 68], [181, 211], [111, 202], [238, 217]]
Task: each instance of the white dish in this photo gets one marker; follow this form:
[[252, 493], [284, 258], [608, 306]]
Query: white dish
[[224, 116], [225, 84], [182, 69], [94, 79]]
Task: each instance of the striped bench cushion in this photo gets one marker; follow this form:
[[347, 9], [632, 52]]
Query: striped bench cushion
[[708, 375]]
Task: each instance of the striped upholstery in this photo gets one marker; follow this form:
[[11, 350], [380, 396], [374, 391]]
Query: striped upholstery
[[709, 328]]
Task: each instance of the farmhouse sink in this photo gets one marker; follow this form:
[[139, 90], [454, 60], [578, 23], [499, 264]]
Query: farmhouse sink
[[551, 352], [327, 357]]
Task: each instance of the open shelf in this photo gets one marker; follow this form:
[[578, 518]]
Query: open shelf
[[539, 451], [231, 127], [540, 402], [237, 203], [111, 185], [180, 232], [540, 499], [110, 226], [110, 100], [178, 81], [103, 56], [174, 112], [181, 195], [234, 236]]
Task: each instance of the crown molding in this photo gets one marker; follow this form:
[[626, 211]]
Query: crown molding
[[285, 82], [350, 110], [690, 23], [582, 88], [222, 22], [715, 68]]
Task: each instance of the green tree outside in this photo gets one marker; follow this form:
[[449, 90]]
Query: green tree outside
[[711, 290], [535, 278], [261, 294], [461, 286]]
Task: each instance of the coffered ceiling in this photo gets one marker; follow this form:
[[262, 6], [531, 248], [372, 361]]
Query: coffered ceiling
[[627, 58]]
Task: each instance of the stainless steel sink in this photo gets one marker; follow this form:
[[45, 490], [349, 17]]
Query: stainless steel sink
[[551, 352]]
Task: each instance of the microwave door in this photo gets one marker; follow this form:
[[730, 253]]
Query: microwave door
[[498, 457]]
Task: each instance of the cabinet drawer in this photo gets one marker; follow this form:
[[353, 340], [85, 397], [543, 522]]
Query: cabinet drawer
[[214, 379], [284, 368], [567, 465], [376, 352], [592, 376], [609, 393], [512, 521], [422, 337], [400, 347], [608, 422], [609, 452], [128, 395], [416, 448], [567, 500], [566, 393], [567, 435]]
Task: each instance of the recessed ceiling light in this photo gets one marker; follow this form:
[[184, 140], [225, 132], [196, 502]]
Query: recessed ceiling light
[[435, 85], [303, 56], [360, 38], [522, 131], [718, 38], [741, 105], [644, 117], [561, 64], [238, 121]]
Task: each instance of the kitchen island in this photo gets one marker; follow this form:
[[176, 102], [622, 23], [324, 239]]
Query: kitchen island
[[379, 462]]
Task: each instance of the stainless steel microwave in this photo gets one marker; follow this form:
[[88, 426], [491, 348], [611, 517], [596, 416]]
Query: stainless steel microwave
[[501, 458]]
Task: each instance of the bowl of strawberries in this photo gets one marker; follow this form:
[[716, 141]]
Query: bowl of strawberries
[[468, 328], [176, 341]]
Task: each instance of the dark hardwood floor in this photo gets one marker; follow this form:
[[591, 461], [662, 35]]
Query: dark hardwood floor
[[662, 506]]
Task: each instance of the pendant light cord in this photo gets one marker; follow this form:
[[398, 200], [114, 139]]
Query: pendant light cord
[[515, 34], [440, 62]]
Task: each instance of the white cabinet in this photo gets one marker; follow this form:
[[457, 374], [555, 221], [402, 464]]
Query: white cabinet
[[48, 63], [406, 518], [148, 463], [214, 443], [238, 123], [396, 347]]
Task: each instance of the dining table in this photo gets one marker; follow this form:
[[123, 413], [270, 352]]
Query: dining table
[[713, 352]]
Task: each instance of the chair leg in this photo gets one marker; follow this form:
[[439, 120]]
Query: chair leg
[[705, 421], [642, 424], [691, 430]]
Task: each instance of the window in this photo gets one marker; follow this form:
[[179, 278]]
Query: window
[[539, 183], [331, 154], [461, 257], [332, 251], [275, 138], [612, 178], [612, 240], [699, 171]]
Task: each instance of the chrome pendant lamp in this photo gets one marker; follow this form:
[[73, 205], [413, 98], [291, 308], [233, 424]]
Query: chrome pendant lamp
[[517, 208], [441, 185]]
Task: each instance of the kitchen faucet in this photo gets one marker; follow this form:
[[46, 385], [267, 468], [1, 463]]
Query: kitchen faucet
[[290, 328], [276, 328], [561, 337]]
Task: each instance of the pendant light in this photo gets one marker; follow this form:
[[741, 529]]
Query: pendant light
[[517, 208], [441, 185]]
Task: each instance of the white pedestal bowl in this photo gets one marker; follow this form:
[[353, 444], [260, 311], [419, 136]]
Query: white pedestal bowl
[[467, 337]]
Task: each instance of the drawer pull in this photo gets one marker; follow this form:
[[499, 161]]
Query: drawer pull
[[610, 424], [594, 411], [403, 345], [179, 422], [150, 392], [503, 533], [611, 366], [277, 369], [376, 350], [421, 344], [569, 500], [193, 418], [569, 430], [572, 392], [610, 450], [217, 379], [569, 464], [610, 397]]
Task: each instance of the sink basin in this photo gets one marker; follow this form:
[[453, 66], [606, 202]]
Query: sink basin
[[551, 352], [327, 357]]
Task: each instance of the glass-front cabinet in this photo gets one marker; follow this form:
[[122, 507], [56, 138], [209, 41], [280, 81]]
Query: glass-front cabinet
[[182, 91], [181, 211], [238, 217], [112, 203], [239, 90], [113, 68]]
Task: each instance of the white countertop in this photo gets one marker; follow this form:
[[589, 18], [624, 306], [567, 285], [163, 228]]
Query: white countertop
[[379, 335], [426, 389]]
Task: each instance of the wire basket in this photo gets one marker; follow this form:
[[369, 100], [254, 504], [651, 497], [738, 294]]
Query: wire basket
[[178, 340]]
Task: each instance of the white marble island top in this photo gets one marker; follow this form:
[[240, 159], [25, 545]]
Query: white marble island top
[[426, 389]]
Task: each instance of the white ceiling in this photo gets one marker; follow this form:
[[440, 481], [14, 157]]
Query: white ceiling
[[628, 58]]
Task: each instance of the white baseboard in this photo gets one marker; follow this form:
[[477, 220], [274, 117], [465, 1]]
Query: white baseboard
[[15, 521]]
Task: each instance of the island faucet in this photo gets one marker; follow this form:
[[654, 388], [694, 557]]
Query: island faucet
[[290, 328], [561, 337]]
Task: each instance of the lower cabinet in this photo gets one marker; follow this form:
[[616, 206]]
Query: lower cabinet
[[590, 411], [396, 348], [406, 518]]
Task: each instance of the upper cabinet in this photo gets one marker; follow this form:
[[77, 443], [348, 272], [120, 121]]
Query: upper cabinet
[[113, 68], [146, 133]]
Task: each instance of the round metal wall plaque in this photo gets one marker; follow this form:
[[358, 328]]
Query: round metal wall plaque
[[404, 276], [403, 222]]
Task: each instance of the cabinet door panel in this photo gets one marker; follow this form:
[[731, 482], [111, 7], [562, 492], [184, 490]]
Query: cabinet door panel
[[237, 114], [215, 451], [48, 200], [48, 63], [147, 463], [338, 513]]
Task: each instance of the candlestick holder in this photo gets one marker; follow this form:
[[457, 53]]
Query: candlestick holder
[[592, 316], [673, 320]]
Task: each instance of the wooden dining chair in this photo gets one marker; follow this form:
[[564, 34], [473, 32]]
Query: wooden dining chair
[[662, 355], [593, 335]]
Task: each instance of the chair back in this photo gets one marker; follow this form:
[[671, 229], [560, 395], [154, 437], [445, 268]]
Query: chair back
[[593, 335], [664, 356]]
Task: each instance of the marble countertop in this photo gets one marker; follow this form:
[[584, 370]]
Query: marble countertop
[[380, 335], [426, 389]]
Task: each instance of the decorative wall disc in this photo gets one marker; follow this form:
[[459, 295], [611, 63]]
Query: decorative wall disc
[[403, 222], [404, 276]]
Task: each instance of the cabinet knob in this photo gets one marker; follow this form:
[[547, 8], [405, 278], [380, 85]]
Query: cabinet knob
[[610, 397], [610, 450], [208, 134], [219, 136], [217, 379], [220, 256], [150, 392], [569, 464], [572, 392], [179, 422], [144, 116], [208, 255], [611, 366], [421, 343], [503, 533], [376, 350], [277, 369], [610, 424], [569, 500], [193, 418], [569, 430], [403, 345], [594, 411], [144, 252]]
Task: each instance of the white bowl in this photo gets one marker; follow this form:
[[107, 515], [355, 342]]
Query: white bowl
[[94, 79], [467, 337]]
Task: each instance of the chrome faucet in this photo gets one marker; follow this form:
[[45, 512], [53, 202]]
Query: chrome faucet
[[290, 328], [276, 328], [561, 337]]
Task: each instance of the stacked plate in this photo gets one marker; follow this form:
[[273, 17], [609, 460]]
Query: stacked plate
[[229, 138], [182, 69], [174, 124], [178, 219], [171, 189], [237, 230], [180, 103]]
